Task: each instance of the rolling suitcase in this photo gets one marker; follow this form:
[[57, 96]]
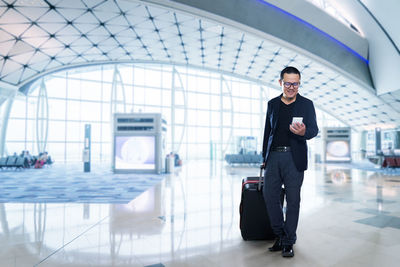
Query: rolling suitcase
[[254, 220]]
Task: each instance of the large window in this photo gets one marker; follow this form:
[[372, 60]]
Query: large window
[[216, 108]]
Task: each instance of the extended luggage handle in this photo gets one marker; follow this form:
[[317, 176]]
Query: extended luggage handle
[[260, 179]]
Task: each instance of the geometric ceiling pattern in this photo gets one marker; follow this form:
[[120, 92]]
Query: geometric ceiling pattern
[[37, 37]]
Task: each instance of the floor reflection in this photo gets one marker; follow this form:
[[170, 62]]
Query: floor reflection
[[191, 219]]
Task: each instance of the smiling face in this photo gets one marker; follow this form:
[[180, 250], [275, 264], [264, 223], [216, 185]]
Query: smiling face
[[290, 85]]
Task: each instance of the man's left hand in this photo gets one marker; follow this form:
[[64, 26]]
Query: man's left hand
[[298, 128]]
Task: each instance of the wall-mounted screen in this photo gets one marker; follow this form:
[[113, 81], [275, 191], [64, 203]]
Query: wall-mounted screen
[[338, 150], [135, 152]]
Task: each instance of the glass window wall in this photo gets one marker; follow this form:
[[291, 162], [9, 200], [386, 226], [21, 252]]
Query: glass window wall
[[219, 108]]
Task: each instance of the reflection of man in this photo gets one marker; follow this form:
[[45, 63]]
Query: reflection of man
[[285, 156]]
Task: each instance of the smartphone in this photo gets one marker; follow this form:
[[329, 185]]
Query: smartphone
[[297, 119]]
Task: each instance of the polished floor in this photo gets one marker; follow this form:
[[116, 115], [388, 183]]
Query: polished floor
[[69, 183], [348, 217]]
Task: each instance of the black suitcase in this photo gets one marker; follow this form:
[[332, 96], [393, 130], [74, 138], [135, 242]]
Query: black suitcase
[[254, 220]]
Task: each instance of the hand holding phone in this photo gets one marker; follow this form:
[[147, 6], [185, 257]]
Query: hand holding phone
[[297, 126], [297, 119]]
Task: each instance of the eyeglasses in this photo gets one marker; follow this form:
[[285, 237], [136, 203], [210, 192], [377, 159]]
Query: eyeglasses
[[288, 84]]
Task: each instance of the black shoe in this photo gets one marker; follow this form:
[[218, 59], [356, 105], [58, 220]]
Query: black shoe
[[287, 251], [277, 246]]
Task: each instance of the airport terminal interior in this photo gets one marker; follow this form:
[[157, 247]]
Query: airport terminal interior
[[127, 126]]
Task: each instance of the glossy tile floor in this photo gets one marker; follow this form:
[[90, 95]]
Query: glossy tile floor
[[348, 217]]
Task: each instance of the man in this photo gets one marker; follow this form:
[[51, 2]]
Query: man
[[285, 156]]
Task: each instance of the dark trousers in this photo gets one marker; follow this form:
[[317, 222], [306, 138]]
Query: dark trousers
[[280, 169]]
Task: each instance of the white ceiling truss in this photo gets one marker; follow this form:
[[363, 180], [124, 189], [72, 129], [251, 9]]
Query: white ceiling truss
[[38, 37]]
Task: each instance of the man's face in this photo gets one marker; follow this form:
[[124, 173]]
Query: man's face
[[290, 85]]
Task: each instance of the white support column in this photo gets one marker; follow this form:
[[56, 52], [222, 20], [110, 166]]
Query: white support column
[[264, 97], [173, 110], [174, 88], [7, 94], [261, 115], [221, 113], [4, 123], [117, 80], [42, 118], [229, 93]]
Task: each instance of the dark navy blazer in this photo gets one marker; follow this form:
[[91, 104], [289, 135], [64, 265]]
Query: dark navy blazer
[[303, 107]]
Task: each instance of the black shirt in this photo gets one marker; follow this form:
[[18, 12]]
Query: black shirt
[[282, 134]]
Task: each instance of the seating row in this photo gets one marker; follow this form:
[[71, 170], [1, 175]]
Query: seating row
[[391, 162], [12, 162]]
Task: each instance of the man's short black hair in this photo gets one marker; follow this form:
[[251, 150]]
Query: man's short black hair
[[290, 70]]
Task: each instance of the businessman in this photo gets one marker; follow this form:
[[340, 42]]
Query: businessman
[[290, 121]]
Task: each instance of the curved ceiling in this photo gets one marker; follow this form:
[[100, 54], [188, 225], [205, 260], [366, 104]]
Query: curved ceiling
[[378, 22], [38, 37]]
